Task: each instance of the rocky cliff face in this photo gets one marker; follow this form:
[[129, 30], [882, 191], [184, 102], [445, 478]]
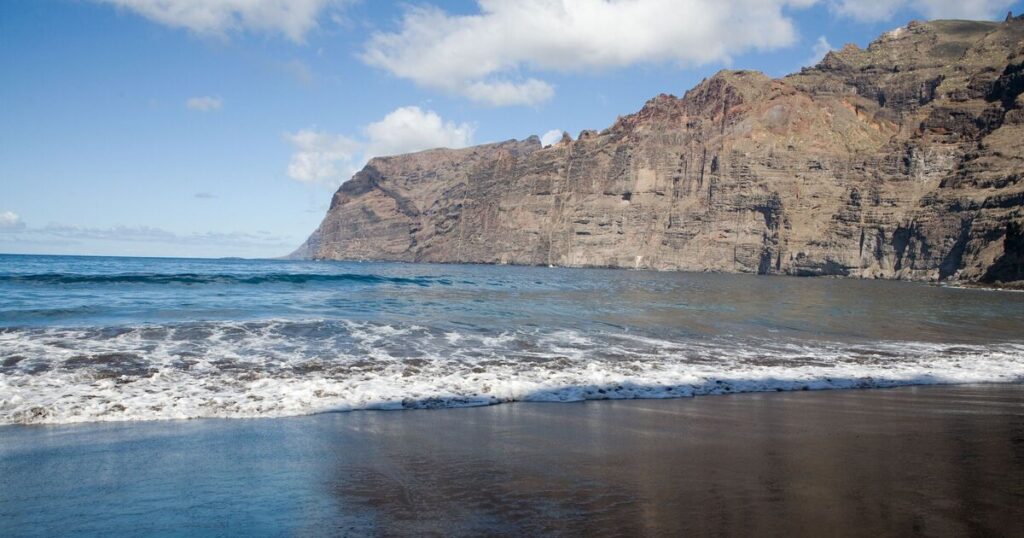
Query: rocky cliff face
[[904, 160]]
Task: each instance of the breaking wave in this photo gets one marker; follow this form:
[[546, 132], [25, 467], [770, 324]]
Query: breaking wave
[[287, 367]]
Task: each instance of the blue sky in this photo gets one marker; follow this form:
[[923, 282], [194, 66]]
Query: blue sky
[[221, 127]]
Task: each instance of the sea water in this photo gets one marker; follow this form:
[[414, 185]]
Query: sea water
[[100, 338]]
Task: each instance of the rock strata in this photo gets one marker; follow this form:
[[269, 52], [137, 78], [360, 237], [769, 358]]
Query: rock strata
[[902, 160]]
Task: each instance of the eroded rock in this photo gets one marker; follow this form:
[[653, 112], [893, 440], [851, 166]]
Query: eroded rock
[[901, 160]]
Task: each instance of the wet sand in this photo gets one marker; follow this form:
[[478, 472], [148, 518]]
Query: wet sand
[[930, 461]]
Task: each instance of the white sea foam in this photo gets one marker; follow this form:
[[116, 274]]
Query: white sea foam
[[278, 368]]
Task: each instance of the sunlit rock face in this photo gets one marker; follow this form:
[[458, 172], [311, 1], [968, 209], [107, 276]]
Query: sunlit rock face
[[903, 160]]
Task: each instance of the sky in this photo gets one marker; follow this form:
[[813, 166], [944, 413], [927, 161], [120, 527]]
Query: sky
[[209, 128]]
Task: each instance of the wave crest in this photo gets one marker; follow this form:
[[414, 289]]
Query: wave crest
[[277, 368]]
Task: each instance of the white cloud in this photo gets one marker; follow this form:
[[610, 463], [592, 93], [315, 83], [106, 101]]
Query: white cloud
[[204, 103], [331, 159], [409, 129], [9, 220], [820, 48], [481, 56], [881, 10], [551, 137], [291, 18], [868, 10], [321, 157], [504, 93]]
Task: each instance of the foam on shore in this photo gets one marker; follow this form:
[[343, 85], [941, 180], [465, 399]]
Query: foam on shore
[[280, 368]]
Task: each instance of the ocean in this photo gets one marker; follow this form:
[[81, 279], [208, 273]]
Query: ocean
[[113, 339]]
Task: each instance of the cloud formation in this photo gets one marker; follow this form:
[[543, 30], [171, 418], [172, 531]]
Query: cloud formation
[[149, 234], [409, 129], [204, 103], [551, 137], [882, 10], [495, 56], [290, 18], [330, 159], [481, 56], [820, 48], [321, 157], [10, 221]]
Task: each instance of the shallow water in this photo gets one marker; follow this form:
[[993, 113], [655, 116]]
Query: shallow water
[[916, 461], [93, 338]]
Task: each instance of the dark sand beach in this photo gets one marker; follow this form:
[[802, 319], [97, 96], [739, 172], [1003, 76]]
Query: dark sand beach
[[930, 461]]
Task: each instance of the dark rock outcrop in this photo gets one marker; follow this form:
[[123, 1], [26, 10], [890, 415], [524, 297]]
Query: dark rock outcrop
[[902, 160]]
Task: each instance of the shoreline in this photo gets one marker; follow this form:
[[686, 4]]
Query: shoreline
[[909, 460], [550, 396], [1016, 285]]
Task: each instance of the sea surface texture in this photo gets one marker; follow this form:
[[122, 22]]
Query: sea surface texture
[[100, 339]]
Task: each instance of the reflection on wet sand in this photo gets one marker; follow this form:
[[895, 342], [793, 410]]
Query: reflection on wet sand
[[907, 462], [912, 461]]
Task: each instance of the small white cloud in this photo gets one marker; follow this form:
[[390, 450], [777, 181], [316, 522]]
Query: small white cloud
[[291, 18], [867, 10], [321, 157], [204, 103], [551, 137], [408, 129], [204, 195], [11, 221], [882, 10], [819, 50], [531, 92], [329, 159]]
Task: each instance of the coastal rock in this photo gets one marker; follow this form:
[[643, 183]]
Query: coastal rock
[[902, 160]]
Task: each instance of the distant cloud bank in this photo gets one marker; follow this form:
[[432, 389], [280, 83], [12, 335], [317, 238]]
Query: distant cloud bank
[[68, 239]]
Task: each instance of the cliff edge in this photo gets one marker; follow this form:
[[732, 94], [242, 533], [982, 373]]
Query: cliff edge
[[902, 160]]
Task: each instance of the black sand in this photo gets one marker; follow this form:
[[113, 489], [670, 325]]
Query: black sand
[[930, 461]]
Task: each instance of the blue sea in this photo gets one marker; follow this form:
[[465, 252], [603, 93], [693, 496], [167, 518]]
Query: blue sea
[[110, 339]]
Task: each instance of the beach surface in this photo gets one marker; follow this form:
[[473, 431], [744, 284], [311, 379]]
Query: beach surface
[[930, 461]]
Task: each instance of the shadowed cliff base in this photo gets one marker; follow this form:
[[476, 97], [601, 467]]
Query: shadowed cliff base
[[931, 461], [898, 161]]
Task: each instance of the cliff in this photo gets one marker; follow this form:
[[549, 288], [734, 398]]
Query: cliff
[[903, 160]]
